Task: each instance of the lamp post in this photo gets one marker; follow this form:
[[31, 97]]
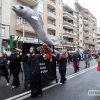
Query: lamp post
[[23, 29]]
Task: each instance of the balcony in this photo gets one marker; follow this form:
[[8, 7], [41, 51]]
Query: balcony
[[30, 2], [86, 28], [69, 24], [86, 22], [69, 15], [51, 4], [28, 29], [86, 16], [51, 26], [51, 15], [53, 37], [68, 43], [86, 41], [86, 34], [69, 34]]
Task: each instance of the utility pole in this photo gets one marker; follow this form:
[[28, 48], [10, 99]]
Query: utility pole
[[1, 27], [23, 29]]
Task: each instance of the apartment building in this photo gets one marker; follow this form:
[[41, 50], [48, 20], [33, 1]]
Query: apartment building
[[70, 28], [98, 39], [87, 27], [53, 18]]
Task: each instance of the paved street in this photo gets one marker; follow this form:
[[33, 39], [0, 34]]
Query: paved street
[[75, 88]]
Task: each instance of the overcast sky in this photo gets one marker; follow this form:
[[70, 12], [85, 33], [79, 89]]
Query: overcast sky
[[93, 6]]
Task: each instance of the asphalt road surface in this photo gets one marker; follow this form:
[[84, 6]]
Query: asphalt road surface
[[75, 88]]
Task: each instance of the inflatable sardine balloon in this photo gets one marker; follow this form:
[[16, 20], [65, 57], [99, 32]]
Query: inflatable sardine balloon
[[35, 20]]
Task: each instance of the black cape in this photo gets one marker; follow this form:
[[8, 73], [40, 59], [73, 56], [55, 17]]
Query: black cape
[[35, 77]]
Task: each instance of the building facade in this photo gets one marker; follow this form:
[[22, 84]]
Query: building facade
[[87, 27], [70, 28], [76, 25], [98, 39]]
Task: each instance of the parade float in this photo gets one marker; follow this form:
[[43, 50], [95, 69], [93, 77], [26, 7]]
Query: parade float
[[46, 60]]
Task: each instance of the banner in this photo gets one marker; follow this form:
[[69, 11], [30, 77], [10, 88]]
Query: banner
[[47, 68]]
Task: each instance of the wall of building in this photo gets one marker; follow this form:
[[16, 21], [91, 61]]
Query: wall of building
[[98, 39], [59, 20], [80, 26]]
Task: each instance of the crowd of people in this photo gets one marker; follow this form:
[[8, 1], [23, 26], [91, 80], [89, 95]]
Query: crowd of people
[[14, 64]]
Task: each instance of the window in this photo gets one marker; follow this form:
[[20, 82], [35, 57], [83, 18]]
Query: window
[[81, 41], [59, 25], [93, 40], [81, 17], [19, 20], [98, 38], [60, 36], [3, 31], [81, 25], [80, 32], [59, 5], [98, 42], [59, 15], [98, 34]]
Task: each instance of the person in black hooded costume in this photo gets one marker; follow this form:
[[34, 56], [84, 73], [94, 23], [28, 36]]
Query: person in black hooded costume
[[35, 77], [15, 67]]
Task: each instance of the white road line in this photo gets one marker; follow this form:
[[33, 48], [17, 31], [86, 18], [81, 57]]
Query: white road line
[[27, 94]]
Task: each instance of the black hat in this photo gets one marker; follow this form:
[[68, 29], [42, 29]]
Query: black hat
[[13, 49]]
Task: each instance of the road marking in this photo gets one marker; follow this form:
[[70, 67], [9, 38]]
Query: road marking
[[27, 94]]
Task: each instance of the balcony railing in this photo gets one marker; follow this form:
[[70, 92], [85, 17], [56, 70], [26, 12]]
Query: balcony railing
[[53, 12], [66, 42], [51, 26], [30, 2], [51, 36], [52, 1], [68, 14], [86, 20], [52, 23]]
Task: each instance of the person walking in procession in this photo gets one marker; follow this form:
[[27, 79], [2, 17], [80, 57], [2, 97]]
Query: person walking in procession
[[3, 69], [76, 59], [62, 66], [35, 77], [15, 67], [87, 56]]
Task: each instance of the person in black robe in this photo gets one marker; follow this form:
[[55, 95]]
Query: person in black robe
[[76, 58], [26, 70], [35, 78], [15, 67], [62, 66]]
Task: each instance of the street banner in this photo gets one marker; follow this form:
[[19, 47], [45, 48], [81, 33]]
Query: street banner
[[47, 67]]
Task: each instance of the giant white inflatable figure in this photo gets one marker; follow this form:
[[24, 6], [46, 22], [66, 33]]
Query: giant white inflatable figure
[[35, 20]]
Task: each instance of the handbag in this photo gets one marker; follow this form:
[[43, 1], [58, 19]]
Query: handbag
[[98, 59]]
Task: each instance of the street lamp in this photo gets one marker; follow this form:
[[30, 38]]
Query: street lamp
[[23, 29]]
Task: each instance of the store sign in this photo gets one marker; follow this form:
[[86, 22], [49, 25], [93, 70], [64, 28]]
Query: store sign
[[25, 39]]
